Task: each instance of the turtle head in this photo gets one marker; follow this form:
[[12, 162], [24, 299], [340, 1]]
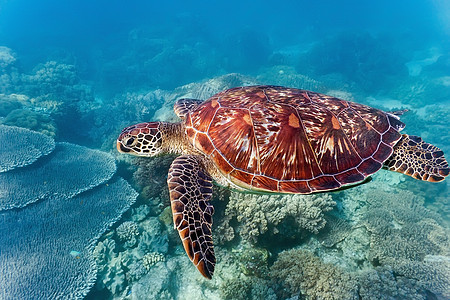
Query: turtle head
[[144, 139]]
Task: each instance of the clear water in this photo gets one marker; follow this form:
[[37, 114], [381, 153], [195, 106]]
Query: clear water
[[80, 71]]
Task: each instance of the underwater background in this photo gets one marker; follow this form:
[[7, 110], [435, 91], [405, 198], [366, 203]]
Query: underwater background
[[79, 220]]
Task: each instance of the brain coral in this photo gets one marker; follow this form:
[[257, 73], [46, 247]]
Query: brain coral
[[69, 170], [46, 248], [21, 147]]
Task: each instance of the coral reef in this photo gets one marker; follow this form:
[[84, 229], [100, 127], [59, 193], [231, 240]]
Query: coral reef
[[21, 147], [32, 120], [121, 262], [402, 233], [301, 272], [110, 274], [50, 178], [49, 82], [253, 261], [335, 231], [382, 283], [286, 75], [128, 231], [7, 57], [433, 273], [48, 233], [286, 215], [8, 103], [200, 90], [401, 227], [150, 259]]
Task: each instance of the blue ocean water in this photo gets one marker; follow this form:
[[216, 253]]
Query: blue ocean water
[[81, 71]]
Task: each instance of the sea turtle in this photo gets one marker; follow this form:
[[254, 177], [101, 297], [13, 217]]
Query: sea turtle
[[275, 140]]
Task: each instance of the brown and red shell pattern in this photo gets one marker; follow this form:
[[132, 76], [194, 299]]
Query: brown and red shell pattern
[[276, 139]]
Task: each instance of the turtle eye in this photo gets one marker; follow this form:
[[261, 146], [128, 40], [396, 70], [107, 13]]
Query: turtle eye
[[131, 141]]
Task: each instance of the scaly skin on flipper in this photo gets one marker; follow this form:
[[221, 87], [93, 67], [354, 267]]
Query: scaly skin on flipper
[[185, 105], [420, 160], [190, 188]]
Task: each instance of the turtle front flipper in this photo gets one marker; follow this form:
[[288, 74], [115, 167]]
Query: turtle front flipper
[[190, 188], [185, 105], [418, 159]]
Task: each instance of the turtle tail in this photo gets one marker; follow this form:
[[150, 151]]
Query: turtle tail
[[418, 159]]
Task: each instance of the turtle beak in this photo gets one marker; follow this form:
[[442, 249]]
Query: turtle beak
[[121, 148]]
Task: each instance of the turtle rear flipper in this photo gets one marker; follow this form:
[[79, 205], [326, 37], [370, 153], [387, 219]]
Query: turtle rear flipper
[[190, 188], [418, 159]]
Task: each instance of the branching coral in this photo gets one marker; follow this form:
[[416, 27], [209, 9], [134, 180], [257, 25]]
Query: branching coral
[[51, 77], [433, 273], [335, 231], [402, 228], [21, 147], [7, 57], [262, 213], [301, 272], [128, 231], [48, 232], [119, 266], [69, 170], [8, 104], [382, 283], [32, 120], [407, 237]]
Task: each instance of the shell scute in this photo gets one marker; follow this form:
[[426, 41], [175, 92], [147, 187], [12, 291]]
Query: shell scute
[[383, 152], [203, 143], [221, 163], [282, 151], [324, 183], [265, 183], [203, 116], [333, 104], [391, 136], [350, 176], [229, 130], [362, 135], [331, 145], [375, 117], [369, 166], [300, 187]]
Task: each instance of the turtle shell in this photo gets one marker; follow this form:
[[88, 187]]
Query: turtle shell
[[285, 140]]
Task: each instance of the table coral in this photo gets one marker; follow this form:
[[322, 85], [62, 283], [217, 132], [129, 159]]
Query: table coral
[[35, 261], [69, 170], [21, 147]]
